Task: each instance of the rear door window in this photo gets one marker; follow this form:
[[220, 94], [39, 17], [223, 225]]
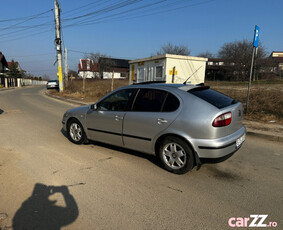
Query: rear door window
[[213, 97], [153, 100], [149, 100]]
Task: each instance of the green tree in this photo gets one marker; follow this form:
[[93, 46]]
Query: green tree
[[14, 71]]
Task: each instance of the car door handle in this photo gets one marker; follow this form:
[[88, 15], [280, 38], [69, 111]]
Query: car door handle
[[161, 121], [118, 118]]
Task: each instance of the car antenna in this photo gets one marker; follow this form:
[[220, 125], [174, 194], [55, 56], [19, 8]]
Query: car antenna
[[185, 82]]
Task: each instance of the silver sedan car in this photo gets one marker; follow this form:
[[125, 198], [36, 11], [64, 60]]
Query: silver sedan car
[[184, 125]]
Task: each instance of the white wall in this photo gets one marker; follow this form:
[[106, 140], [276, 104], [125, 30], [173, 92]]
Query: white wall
[[184, 69], [88, 74], [108, 75]]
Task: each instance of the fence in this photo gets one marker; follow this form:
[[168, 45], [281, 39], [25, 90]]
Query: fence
[[19, 82]]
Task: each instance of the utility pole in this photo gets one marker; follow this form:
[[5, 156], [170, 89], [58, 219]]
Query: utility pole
[[58, 42], [66, 65]]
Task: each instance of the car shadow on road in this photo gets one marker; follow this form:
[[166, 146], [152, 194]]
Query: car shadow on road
[[39, 212], [152, 158]]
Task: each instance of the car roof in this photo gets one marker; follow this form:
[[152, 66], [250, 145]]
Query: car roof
[[184, 87]]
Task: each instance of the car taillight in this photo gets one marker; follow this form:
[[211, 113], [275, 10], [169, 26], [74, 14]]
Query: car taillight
[[222, 120]]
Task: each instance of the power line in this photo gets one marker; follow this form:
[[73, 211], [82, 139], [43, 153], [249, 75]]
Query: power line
[[106, 9], [84, 6], [155, 10], [32, 55], [119, 13], [30, 35], [25, 17], [81, 52], [30, 18]]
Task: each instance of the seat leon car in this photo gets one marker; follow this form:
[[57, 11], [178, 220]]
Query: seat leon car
[[184, 125]]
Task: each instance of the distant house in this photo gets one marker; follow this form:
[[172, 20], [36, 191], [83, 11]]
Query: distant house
[[217, 69], [17, 64], [104, 69], [5, 79], [3, 63], [277, 56], [3, 66], [88, 69]]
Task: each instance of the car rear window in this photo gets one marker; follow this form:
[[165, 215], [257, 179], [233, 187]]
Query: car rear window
[[213, 97]]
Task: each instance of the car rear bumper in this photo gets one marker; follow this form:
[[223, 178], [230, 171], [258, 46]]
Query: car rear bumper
[[221, 148]]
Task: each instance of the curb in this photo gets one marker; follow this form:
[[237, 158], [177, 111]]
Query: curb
[[65, 99], [250, 133], [4, 89], [265, 136]]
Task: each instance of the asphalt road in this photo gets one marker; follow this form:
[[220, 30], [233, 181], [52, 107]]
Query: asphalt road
[[46, 182]]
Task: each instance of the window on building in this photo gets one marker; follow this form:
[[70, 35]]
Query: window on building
[[158, 73]]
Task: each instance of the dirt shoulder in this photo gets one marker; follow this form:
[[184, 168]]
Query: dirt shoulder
[[14, 187]]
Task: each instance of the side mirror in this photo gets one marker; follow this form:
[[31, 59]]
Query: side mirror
[[93, 107]]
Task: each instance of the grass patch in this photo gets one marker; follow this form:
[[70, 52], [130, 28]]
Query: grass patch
[[94, 89]]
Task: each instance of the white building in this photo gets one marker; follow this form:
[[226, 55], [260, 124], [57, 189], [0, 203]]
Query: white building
[[169, 68]]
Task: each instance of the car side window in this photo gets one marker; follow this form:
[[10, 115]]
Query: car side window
[[171, 104], [149, 100], [116, 102]]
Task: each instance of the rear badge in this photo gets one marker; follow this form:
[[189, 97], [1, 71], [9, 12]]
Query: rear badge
[[240, 113]]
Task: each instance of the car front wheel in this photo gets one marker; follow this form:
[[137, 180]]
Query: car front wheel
[[76, 132], [176, 155]]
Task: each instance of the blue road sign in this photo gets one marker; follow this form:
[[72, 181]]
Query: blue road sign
[[256, 36]]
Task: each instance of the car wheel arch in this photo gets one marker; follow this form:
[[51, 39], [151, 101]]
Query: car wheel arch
[[162, 137]]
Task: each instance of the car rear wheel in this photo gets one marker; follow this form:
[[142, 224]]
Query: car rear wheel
[[176, 155], [76, 132]]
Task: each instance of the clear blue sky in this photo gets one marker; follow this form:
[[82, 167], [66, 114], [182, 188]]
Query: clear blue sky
[[27, 29]]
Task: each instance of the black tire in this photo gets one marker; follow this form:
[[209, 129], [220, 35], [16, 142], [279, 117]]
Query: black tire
[[176, 155], [75, 132]]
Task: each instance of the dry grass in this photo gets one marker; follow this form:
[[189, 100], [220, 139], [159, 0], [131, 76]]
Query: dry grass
[[266, 101], [94, 89], [266, 98]]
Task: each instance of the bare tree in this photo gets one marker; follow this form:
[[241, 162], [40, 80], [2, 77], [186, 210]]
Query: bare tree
[[45, 77], [72, 74], [104, 62], [169, 48], [239, 55], [206, 54]]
